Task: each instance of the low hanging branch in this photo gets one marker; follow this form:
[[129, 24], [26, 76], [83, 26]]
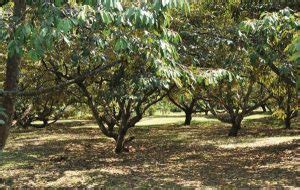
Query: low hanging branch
[[59, 86]]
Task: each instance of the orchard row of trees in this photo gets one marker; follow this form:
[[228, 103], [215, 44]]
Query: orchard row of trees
[[119, 59]]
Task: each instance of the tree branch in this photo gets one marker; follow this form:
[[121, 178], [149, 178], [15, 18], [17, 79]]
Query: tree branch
[[59, 86]]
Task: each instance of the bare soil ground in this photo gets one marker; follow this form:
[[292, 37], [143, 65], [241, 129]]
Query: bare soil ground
[[164, 155]]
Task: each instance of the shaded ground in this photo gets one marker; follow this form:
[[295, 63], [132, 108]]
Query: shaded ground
[[75, 154]]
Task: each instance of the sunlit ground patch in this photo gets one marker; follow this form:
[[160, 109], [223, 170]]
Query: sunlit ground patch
[[261, 142]]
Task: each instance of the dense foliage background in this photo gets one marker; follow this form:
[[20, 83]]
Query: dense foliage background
[[117, 61]]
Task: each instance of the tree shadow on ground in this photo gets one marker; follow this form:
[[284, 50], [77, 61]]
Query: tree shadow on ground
[[165, 157]]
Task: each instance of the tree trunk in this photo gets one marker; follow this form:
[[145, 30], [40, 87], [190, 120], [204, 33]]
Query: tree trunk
[[264, 108], [236, 126], [188, 117], [45, 123], [120, 141], [206, 112], [288, 112], [11, 79], [287, 122], [11, 83], [95, 112]]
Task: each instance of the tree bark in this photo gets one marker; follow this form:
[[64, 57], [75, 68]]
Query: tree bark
[[120, 141], [188, 118], [11, 79], [264, 108], [93, 108], [288, 112], [236, 126], [206, 112], [45, 123], [287, 123]]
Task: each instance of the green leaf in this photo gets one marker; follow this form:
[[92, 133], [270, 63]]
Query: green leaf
[[64, 25], [121, 44], [34, 55], [58, 3], [14, 48], [106, 17], [295, 56], [27, 30]]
